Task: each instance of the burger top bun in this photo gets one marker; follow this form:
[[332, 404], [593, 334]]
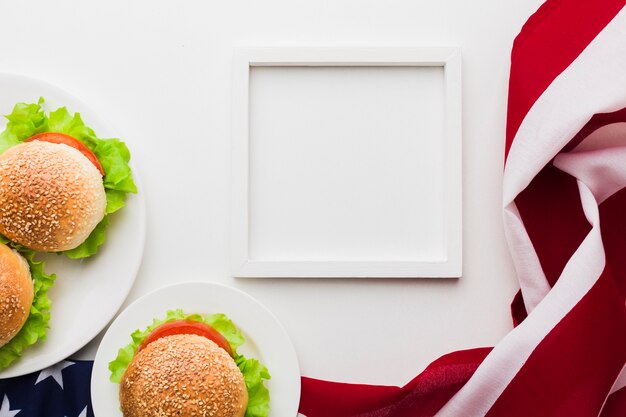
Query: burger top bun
[[183, 375], [16, 293], [51, 196]]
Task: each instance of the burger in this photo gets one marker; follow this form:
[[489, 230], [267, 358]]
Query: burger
[[16, 293], [24, 303], [207, 383], [59, 182], [51, 196], [188, 366]]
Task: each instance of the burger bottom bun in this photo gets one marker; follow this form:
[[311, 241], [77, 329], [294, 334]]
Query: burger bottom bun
[[183, 375], [16, 293]]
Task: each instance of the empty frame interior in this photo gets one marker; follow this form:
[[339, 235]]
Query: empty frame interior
[[346, 163]]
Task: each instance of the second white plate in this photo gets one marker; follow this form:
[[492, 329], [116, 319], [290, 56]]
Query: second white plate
[[266, 340]]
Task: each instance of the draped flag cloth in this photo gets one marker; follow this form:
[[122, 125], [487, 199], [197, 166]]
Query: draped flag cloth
[[564, 201]]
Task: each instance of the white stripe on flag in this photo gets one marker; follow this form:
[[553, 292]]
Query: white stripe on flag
[[603, 170], [620, 382], [529, 272]]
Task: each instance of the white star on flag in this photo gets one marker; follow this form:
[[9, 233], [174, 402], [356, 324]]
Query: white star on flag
[[55, 372], [82, 413], [5, 410]]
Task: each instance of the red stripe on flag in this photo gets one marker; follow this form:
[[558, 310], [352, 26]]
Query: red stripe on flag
[[554, 219], [613, 224], [548, 43], [427, 392], [615, 405], [572, 370], [336, 399], [518, 309]]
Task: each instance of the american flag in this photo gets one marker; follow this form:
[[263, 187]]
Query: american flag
[[61, 390], [564, 204]]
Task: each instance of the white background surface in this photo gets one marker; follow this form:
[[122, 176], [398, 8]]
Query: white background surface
[[160, 72]]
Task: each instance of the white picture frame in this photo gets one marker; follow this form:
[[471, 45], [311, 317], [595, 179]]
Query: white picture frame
[[448, 58]]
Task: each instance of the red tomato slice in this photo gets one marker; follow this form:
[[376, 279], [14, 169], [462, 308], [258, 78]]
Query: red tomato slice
[[187, 327], [54, 137]]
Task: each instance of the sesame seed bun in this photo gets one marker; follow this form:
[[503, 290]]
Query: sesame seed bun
[[51, 196], [183, 375], [16, 293]]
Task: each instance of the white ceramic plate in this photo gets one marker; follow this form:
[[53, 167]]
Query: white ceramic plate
[[266, 340], [87, 294]]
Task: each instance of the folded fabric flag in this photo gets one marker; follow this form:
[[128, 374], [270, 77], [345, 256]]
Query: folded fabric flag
[[565, 217]]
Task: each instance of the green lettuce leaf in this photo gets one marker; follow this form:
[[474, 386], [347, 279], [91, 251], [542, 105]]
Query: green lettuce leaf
[[27, 120], [254, 373], [258, 395], [92, 243], [37, 323]]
